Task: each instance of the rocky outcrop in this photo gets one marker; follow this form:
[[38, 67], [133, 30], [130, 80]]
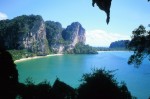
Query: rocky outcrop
[[58, 48], [53, 32], [36, 36], [26, 32], [54, 37], [60, 39], [74, 34], [35, 40]]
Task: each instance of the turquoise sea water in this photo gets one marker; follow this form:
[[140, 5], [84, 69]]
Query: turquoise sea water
[[70, 68]]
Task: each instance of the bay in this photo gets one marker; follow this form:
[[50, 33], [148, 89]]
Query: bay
[[70, 68]]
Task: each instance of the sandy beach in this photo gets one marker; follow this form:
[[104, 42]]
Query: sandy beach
[[35, 57]]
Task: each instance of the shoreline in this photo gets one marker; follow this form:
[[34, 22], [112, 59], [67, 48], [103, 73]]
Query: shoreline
[[35, 57], [116, 51]]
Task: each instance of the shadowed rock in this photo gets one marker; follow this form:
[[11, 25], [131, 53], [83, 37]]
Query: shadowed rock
[[105, 6]]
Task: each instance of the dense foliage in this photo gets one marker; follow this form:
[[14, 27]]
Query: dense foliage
[[44, 90], [121, 44], [53, 32], [18, 54], [11, 30], [81, 48], [22, 33], [140, 44], [101, 84]]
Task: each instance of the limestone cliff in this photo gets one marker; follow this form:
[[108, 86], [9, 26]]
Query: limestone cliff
[[26, 32], [74, 33], [54, 37], [31, 33], [61, 40], [35, 40]]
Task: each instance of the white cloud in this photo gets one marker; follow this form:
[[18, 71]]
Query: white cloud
[[103, 38], [3, 16]]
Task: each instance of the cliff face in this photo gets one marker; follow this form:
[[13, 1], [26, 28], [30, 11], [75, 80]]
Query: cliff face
[[35, 40], [60, 39], [74, 34], [34, 35], [53, 32], [26, 32], [54, 37]]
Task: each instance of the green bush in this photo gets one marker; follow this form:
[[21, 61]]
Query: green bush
[[18, 54]]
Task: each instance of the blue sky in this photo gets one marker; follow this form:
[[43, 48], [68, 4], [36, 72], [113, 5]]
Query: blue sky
[[125, 16]]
